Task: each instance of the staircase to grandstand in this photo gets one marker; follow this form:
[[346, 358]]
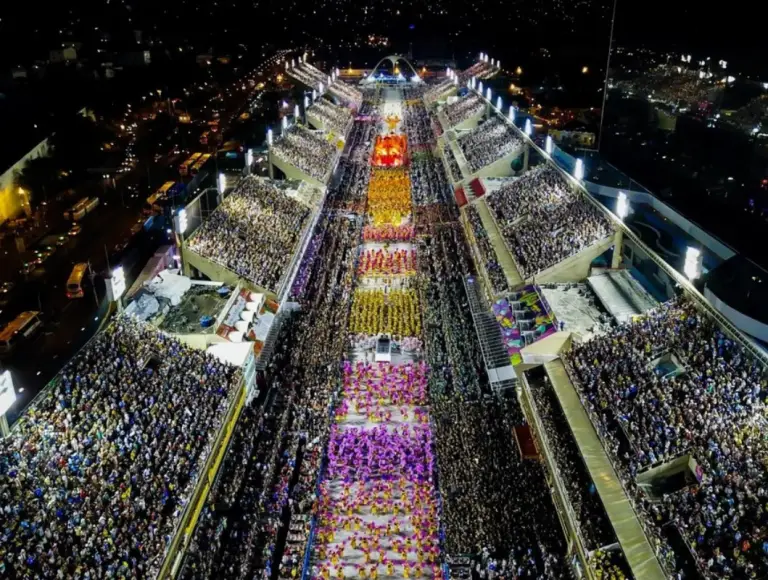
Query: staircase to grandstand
[[500, 373]]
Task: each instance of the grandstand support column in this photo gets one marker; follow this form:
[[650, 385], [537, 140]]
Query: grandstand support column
[[271, 164], [617, 249], [526, 156]]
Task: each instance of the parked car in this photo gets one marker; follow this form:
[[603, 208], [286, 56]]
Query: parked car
[[75, 230]]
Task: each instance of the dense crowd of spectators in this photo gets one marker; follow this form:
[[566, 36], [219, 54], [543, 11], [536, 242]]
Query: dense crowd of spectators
[[493, 269], [480, 69], [255, 523], [94, 479], [676, 385], [544, 220], [417, 124], [253, 232], [453, 165], [333, 117], [346, 93], [309, 151], [438, 90], [428, 182], [452, 345], [462, 109], [494, 503], [488, 142], [591, 516]]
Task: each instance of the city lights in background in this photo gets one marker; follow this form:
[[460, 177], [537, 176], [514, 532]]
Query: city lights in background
[[549, 145], [622, 205], [692, 265], [578, 170]]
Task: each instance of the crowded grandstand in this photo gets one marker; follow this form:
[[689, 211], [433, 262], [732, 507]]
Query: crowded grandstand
[[378, 439]]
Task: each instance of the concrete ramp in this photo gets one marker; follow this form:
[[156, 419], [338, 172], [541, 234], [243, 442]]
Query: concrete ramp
[[506, 261], [577, 267], [637, 549]]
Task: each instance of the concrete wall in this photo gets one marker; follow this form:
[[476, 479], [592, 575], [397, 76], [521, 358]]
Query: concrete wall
[[743, 322], [10, 200]]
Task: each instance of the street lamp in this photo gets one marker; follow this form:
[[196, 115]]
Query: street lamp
[[512, 113], [548, 145], [528, 127], [498, 102]]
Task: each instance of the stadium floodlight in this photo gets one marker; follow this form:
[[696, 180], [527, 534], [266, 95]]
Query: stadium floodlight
[[498, 102], [493, 62], [549, 146], [578, 170], [285, 123], [488, 94], [482, 56], [622, 205], [269, 137], [512, 113], [480, 88], [338, 72], [116, 284], [692, 265], [330, 80], [7, 393], [765, 86], [296, 111], [249, 157], [222, 182], [448, 71], [293, 63], [321, 88], [287, 64], [415, 79], [498, 64], [306, 102], [528, 127]]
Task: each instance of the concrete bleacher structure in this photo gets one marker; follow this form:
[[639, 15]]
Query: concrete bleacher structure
[[305, 193], [638, 550], [621, 295], [292, 172]]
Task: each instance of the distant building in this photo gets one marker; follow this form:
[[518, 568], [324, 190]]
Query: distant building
[[12, 202], [66, 54], [18, 72], [575, 138], [135, 58]]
